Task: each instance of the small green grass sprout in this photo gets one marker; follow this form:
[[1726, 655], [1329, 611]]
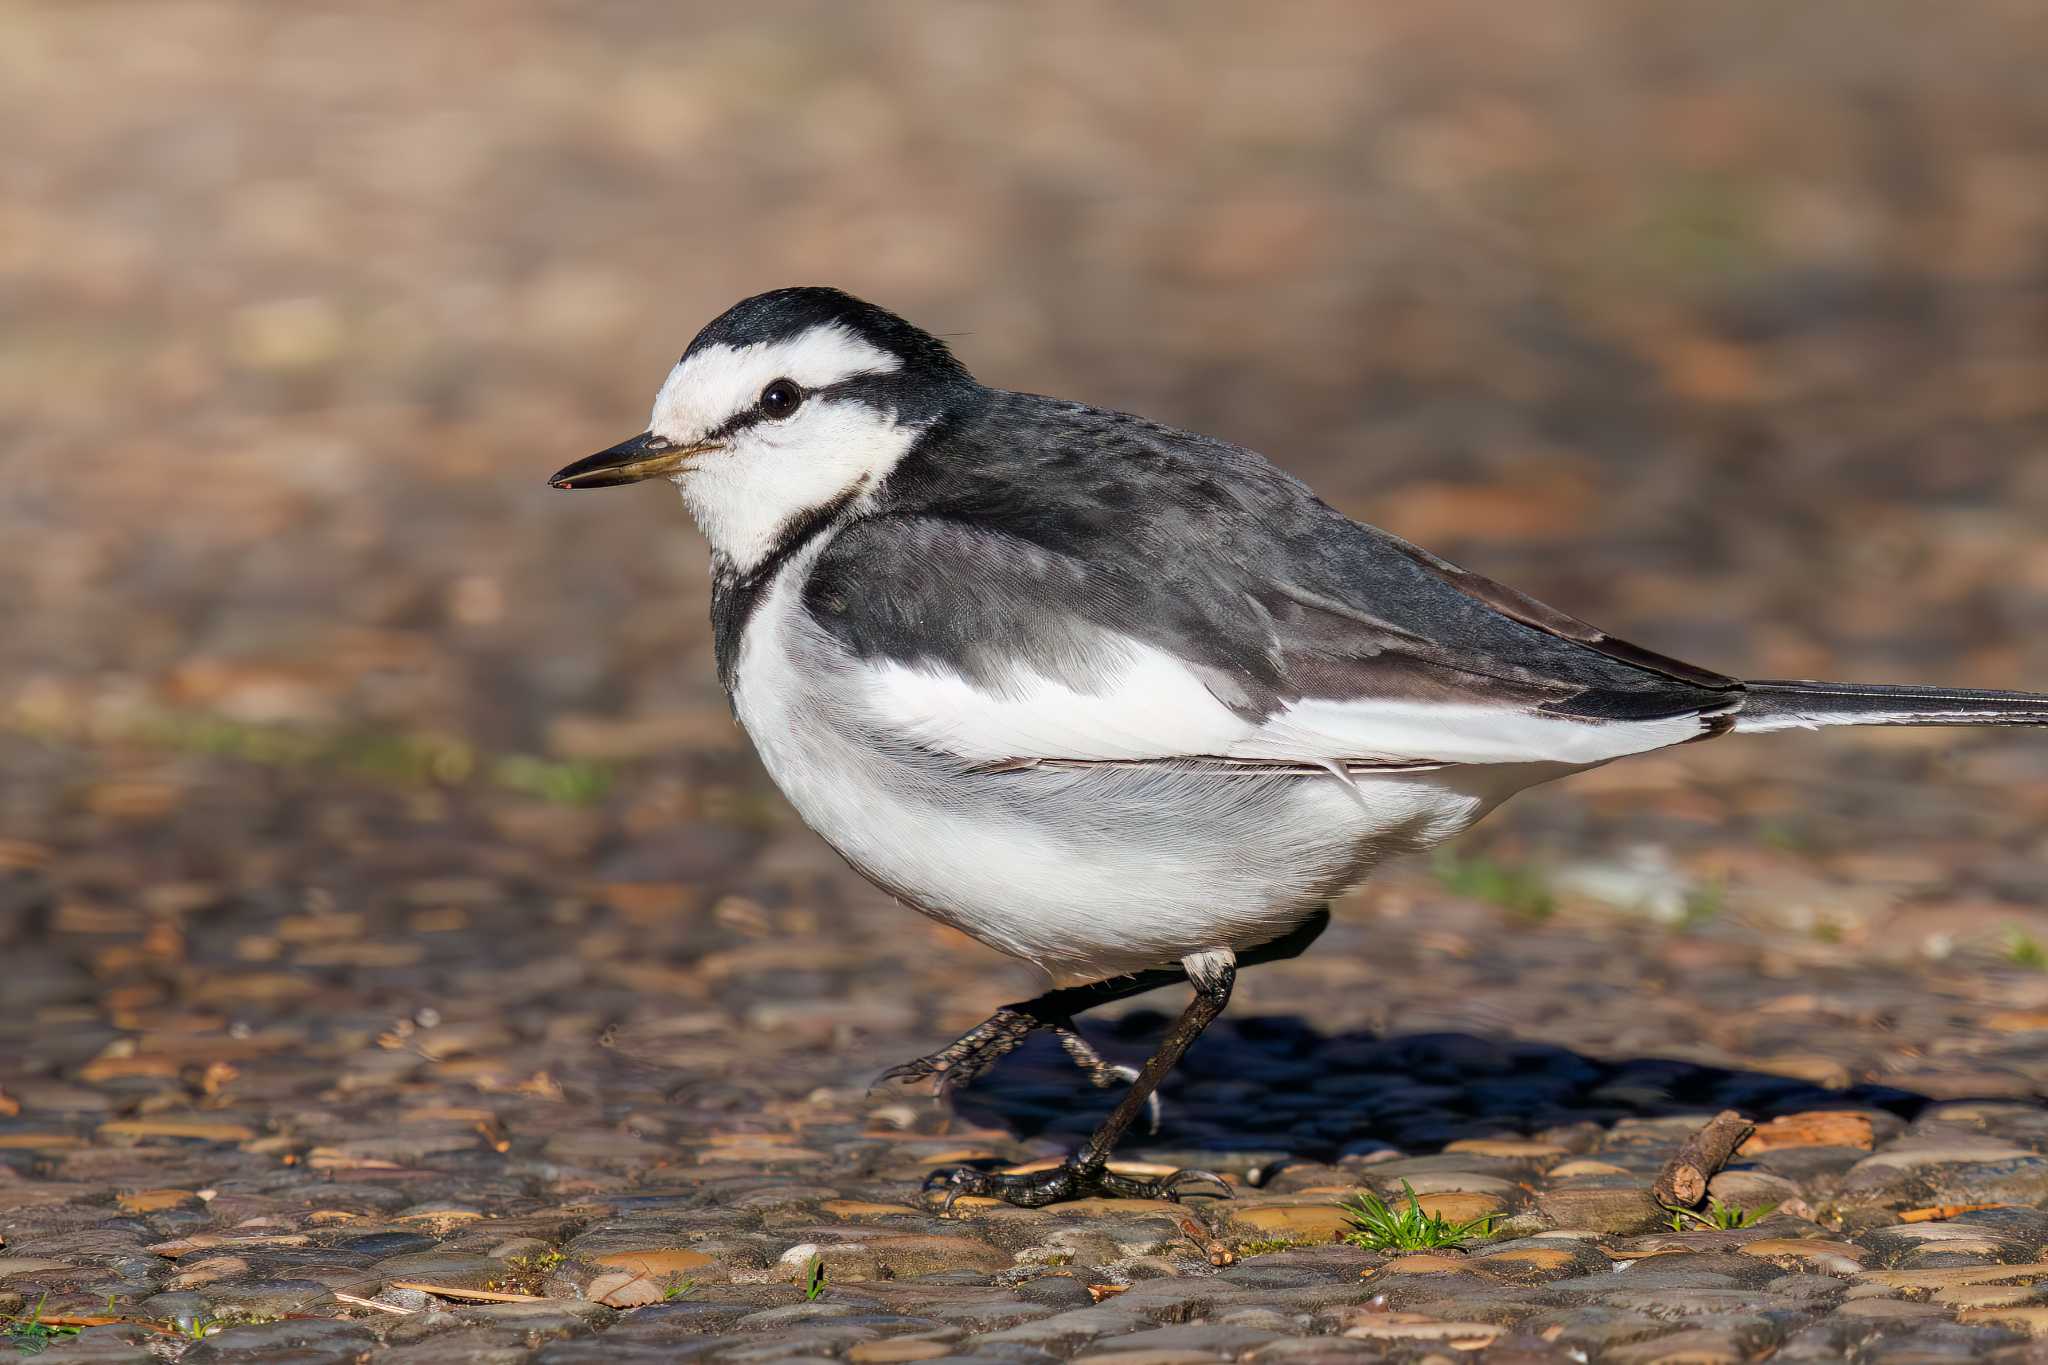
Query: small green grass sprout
[[814, 1278], [1718, 1215], [676, 1289], [1703, 905], [1378, 1226], [1520, 891], [29, 1334], [2022, 949]]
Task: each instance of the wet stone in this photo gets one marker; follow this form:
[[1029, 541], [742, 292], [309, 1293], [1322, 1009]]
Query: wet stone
[[1412, 1327], [1316, 1351], [1214, 1339], [1939, 1341], [459, 1348], [457, 1270], [1534, 1259], [302, 1341], [1263, 1319], [1593, 1328], [679, 1318], [175, 1306], [797, 1314], [1502, 1307], [1692, 1346], [1064, 1330], [1815, 1253], [265, 1298], [1890, 1310], [985, 1311], [1056, 1291], [1301, 1222], [1677, 1299], [1619, 1210], [1407, 1291], [1176, 1298], [541, 1320], [1932, 1245], [1817, 1341], [380, 1245], [1960, 1170], [1300, 1269], [820, 1343]]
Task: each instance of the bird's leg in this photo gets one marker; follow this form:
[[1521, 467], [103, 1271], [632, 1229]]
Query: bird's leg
[[1213, 974], [995, 1037], [1003, 1032]]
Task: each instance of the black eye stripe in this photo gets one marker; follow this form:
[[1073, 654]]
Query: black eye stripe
[[861, 387]]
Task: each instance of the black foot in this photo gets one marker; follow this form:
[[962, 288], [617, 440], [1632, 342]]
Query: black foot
[[965, 1058], [1068, 1180], [968, 1056]]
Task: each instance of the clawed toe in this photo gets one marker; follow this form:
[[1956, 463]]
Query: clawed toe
[[1070, 1180], [917, 1069], [1170, 1185], [943, 1071], [967, 1056]]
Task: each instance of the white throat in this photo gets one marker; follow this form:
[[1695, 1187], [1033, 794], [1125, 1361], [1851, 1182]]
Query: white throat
[[745, 498]]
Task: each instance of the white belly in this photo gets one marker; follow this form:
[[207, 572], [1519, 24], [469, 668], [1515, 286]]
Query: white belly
[[1087, 873]]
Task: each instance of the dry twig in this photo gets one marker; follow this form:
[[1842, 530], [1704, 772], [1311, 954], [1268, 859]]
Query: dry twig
[[1198, 1232], [1683, 1181], [449, 1291]]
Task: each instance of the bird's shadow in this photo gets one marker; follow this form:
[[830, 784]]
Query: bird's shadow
[[1276, 1086]]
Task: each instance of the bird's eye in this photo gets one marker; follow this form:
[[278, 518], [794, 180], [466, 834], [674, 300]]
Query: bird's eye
[[781, 397]]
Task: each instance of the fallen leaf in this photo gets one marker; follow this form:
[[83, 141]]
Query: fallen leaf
[[1934, 1213]]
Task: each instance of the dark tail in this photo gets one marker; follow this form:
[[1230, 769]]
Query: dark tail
[[1809, 705]]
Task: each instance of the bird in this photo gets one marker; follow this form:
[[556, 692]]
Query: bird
[[1123, 701]]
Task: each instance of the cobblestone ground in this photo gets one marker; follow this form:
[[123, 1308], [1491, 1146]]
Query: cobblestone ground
[[321, 1067], [403, 959]]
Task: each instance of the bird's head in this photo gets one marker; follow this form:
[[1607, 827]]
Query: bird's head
[[789, 404]]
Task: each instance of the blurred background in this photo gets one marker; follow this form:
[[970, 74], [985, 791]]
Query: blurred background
[[1724, 326]]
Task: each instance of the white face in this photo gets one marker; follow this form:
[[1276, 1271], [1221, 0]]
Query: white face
[[776, 468]]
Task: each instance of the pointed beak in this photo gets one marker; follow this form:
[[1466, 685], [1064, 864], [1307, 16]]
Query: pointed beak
[[646, 456]]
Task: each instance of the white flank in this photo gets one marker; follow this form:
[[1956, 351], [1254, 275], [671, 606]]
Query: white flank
[[1448, 732], [1152, 706]]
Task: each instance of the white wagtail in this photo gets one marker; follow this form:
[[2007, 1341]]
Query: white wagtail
[[1123, 701]]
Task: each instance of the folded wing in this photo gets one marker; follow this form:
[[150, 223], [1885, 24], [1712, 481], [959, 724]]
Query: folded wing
[[1001, 648]]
